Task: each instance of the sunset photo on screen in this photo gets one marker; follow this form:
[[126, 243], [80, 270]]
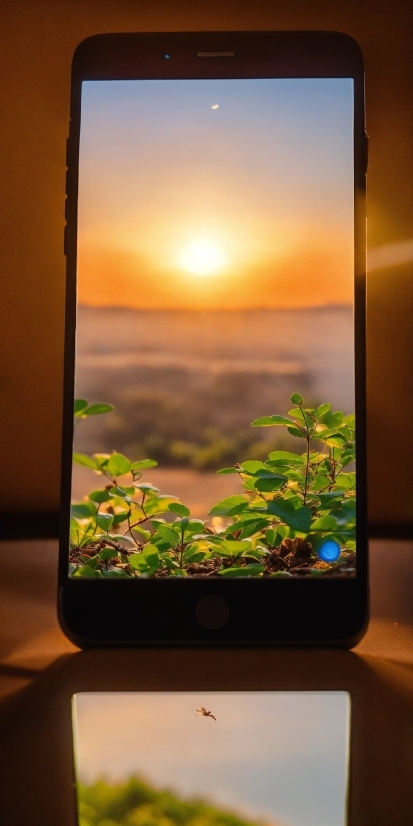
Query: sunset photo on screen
[[214, 383]]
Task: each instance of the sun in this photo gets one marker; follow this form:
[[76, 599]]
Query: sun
[[202, 257]]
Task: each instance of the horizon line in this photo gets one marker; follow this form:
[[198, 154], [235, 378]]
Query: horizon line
[[332, 306]]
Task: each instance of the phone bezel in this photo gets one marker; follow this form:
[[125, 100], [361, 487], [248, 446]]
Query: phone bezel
[[327, 612]]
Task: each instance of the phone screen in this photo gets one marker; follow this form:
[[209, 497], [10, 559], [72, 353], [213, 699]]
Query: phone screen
[[214, 379], [212, 758]]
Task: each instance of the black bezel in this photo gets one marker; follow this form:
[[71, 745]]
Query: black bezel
[[267, 612]]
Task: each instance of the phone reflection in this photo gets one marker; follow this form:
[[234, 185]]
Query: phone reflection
[[255, 758]]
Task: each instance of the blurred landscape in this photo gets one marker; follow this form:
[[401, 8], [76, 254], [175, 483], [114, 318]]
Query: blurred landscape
[[137, 803], [186, 385]]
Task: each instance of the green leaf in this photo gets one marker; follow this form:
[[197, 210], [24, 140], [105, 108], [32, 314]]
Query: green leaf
[[108, 553], [83, 510], [346, 514], [296, 432], [194, 555], [268, 421], [327, 499], [87, 571], [248, 570], [180, 510], [270, 537], [324, 523], [167, 534], [142, 464], [151, 554], [96, 409], [248, 527], [284, 457], [229, 506], [231, 547], [347, 457], [299, 519], [147, 487], [141, 532], [149, 558], [101, 460], [295, 475], [155, 505], [114, 574], [296, 413], [332, 437], [281, 574], [346, 480], [346, 432], [225, 470], [296, 398], [320, 481], [93, 562], [323, 409], [332, 419], [252, 466], [104, 521], [194, 526], [79, 405], [120, 493], [350, 421], [100, 496], [120, 517], [118, 464], [256, 554], [168, 562], [269, 473], [85, 461], [268, 484]]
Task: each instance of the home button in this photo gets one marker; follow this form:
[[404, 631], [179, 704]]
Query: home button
[[212, 612]]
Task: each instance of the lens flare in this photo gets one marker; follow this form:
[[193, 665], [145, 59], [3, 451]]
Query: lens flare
[[329, 551]]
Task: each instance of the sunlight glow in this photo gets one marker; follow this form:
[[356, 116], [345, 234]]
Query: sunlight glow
[[202, 257]]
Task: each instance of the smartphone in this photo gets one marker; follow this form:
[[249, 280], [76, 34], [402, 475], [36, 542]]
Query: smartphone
[[215, 341]]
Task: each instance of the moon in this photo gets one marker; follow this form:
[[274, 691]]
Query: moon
[[202, 257]]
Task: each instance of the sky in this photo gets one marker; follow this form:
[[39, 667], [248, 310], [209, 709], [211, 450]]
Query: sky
[[216, 194], [279, 756]]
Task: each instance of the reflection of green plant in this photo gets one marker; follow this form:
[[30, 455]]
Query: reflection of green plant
[[135, 803], [291, 505]]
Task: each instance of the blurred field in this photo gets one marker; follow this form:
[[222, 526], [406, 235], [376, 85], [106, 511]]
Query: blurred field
[[195, 377], [186, 386]]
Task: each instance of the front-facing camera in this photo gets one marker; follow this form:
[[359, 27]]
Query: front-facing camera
[[167, 56]]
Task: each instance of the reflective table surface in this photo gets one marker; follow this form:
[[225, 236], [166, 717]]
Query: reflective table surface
[[40, 670]]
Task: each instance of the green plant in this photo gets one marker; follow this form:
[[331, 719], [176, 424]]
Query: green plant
[[292, 505], [136, 803]]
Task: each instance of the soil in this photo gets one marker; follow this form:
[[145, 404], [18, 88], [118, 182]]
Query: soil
[[290, 559]]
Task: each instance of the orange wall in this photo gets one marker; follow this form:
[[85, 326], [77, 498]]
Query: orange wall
[[38, 39]]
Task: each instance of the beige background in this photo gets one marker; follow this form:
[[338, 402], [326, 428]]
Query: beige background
[[37, 42]]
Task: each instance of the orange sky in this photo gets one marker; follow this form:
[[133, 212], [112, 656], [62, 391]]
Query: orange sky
[[265, 179]]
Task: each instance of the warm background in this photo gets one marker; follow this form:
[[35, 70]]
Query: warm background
[[38, 40]]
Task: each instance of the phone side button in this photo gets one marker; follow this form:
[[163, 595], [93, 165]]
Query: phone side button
[[212, 612]]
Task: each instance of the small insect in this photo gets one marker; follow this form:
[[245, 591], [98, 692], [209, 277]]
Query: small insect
[[202, 712]]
